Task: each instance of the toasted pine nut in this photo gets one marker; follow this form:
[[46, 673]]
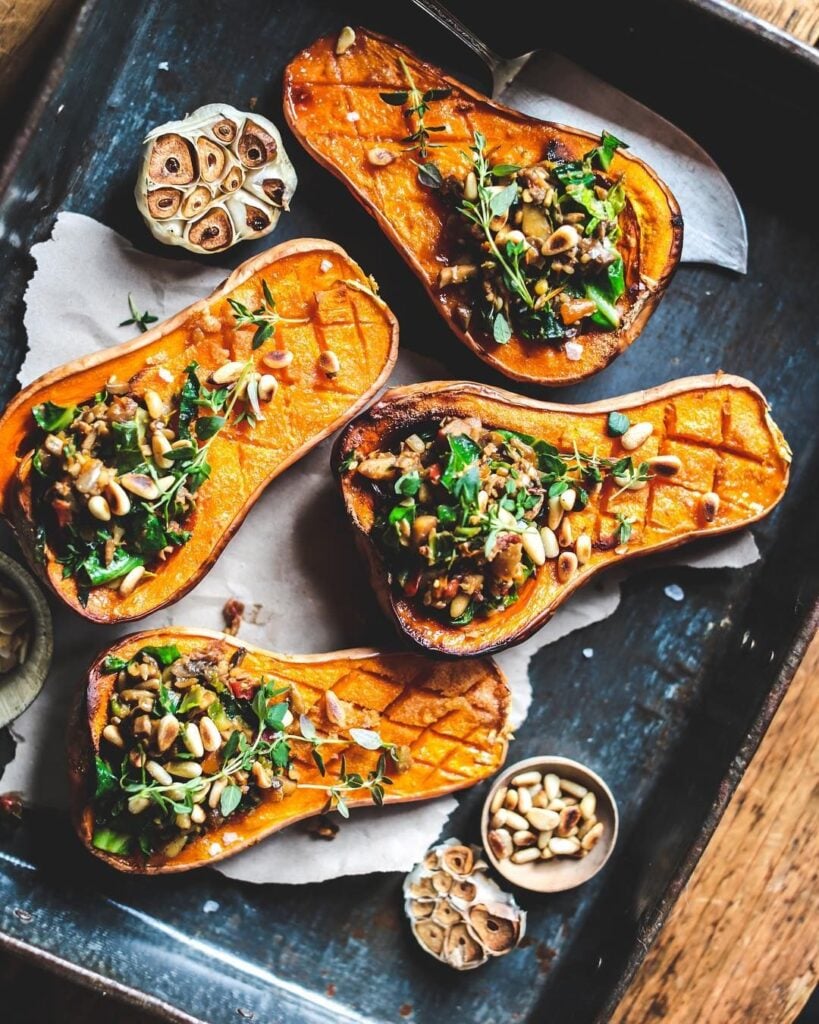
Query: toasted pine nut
[[526, 855], [379, 157], [551, 783], [543, 840], [710, 506], [569, 817], [141, 485], [198, 815], [573, 788], [592, 836], [497, 800], [118, 499], [516, 822], [158, 773], [138, 804], [183, 821], [664, 465], [53, 445], [211, 737], [524, 837], [154, 405], [261, 775], [542, 819], [456, 274], [458, 604], [588, 805], [524, 802], [227, 373], [583, 548], [500, 843], [216, 792], [637, 435], [185, 769], [511, 800], [527, 778], [159, 446], [268, 386], [329, 363], [113, 735], [555, 512], [564, 847], [116, 387], [586, 826], [192, 740], [565, 534], [498, 819], [565, 238], [566, 566], [471, 186], [567, 499], [175, 846], [99, 508], [278, 360], [533, 545], [346, 38], [130, 581]]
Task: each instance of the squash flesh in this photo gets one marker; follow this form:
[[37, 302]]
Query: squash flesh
[[322, 89], [308, 404], [453, 717], [718, 426]]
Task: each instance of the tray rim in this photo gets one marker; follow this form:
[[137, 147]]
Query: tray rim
[[653, 920]]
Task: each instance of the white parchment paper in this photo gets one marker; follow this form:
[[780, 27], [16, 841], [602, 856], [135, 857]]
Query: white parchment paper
[[292, 562]]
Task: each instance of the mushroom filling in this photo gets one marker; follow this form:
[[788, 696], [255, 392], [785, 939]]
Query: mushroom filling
[[535, 248], [190, 740], [467, 513]]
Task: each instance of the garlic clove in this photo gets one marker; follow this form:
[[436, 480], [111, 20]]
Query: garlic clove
[[164, 202], [212, 159], [211, 232], [225, 130], [195, 202], [171, 161], [256, 146]]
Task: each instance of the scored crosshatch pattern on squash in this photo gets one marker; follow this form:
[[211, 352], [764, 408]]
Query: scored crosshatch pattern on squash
[[453, 717]]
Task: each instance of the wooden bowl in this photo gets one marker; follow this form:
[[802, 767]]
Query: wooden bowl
[[20, 686], [561, 873]]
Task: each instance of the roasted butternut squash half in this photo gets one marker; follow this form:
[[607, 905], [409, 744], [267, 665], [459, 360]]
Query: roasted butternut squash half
[[126, 472], [480, 511], [545, 248], [187, 746]]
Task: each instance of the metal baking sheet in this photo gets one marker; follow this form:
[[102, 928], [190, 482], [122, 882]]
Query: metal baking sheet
[[672, 705]]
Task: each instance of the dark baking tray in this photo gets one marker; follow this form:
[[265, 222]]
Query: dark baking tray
[[673, 704]]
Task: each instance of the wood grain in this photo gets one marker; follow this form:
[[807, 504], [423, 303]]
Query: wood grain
[[799, 17], [24, 24], [740, 945]]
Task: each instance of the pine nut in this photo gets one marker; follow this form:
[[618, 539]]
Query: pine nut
[[543, 840], [268, 386], [379, 157], [154, 405], [175, 846], [637, 435], [710, 506], [565, 535], [567, 499], [588, 805], [138, 804], [260, 775], [587, 826], [183, 821], [573, 788], [329, 363], [199, 794], [546, 854], [53, 445], [116, 387], [471, 187], [278, 360], [118, 500], [565, 238], [142, 726], [166, 732], [533, 545], [158, 773], [114, 736], [458, 604], [527, 778], [500, 843], [211, 737], [524, 802], [185, 769], [99, 508], [550, 544], [516, 822], [499, 818], [566, 566], [665, 465], [526, 855], [583, 548], [524, 837], [592, 837], [556, 805], [198, 816], [564, 847], [130, 581], [141, 485], [497, 800], [542, 819], [551, 784], [511, 800], [541, 800], [159, 446], [346, 38], [569, 817], [192, 740], [216, 792], [228, 373]]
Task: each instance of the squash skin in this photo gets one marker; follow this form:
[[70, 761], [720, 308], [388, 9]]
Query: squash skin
[[473, 696], [717, 424], [243, 461], [316, 98]]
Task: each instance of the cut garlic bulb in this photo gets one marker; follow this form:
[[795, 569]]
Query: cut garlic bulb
[[213, 179], [457, 913]]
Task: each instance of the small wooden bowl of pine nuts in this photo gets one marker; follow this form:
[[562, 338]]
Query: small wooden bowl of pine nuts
[[549, 824]]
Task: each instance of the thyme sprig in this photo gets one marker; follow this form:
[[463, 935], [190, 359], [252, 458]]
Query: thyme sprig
[[265, 319], [140, 320], [417, 106]]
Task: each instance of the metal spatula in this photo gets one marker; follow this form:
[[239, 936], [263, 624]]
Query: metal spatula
[[552, 88]]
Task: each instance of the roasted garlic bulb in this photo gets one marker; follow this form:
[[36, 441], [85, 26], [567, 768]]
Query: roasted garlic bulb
[[457, 913], [213, 179]]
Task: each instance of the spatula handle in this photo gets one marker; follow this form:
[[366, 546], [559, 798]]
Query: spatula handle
[[446, 18]]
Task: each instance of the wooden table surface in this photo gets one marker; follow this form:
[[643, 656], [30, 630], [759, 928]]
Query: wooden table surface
[[740, 946]]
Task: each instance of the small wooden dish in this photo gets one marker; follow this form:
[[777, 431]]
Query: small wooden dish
[[20, 686], [561, 873]]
